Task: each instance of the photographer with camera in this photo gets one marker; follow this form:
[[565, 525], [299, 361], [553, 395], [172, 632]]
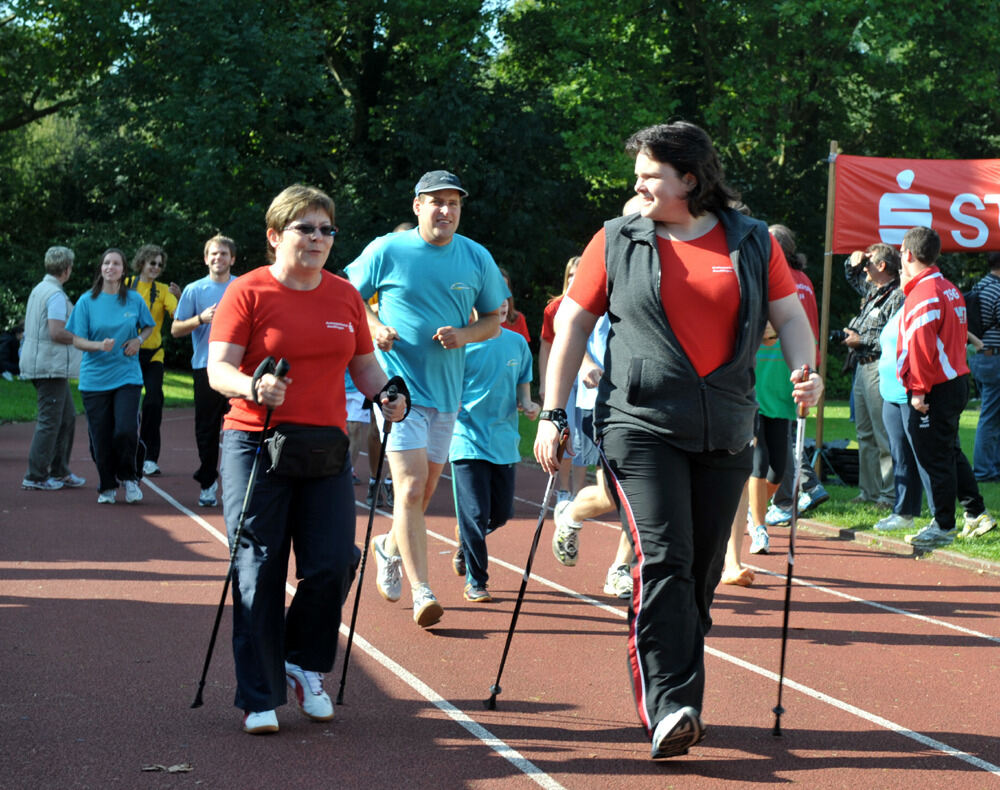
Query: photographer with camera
[[873, 273]]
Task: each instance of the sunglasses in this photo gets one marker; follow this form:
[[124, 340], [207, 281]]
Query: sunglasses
[[306, 229]]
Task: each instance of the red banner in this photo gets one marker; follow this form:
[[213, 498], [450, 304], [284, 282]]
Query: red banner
[[880, 199]]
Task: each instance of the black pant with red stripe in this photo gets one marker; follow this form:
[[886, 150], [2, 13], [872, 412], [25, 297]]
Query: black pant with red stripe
[[678, 508]]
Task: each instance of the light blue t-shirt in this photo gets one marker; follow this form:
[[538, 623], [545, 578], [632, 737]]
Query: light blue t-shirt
[[889, 385], [195, 298], [486, 426], [106, 316], [422, 287], [597, 344]]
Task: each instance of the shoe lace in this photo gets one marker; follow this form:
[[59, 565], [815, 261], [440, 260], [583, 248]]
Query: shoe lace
[[570, 539], [314, 681]]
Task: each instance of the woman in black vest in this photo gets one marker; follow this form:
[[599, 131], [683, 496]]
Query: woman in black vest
[[689, 285]]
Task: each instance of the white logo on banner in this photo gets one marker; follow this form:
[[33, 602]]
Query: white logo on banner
[[900, 211]]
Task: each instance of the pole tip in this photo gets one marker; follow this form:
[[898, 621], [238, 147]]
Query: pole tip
[[491, 703]]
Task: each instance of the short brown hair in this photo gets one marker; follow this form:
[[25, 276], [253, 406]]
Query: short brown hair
[[292, 202], [222, 241], [923, 243]]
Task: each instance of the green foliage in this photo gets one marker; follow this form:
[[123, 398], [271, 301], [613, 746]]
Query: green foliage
[[165, 121]]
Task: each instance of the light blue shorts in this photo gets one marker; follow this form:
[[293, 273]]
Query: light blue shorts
[[424, 428]]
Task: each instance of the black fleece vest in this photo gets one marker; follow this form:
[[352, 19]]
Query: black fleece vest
[[648, 381]]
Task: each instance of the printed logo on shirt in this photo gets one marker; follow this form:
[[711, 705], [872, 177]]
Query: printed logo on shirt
[[460, 286], [723, 270], [512, 363], [349, 326]]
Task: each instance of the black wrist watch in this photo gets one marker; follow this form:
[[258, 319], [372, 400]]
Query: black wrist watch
[[557, 416]]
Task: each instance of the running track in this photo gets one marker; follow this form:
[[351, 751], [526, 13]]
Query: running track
[[105, 612]]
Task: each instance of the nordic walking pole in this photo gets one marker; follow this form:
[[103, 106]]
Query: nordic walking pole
[[800, 437], [491, 703], [392, 392], [267, 366]]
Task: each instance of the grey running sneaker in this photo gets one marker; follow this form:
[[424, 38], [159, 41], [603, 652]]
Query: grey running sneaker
[[389, 570], [308, 689], [894, 521], [150, 468], [73, 481], [760, 543], [132, 491], [207, 496], [930, 537], [676, 733], [619, 582], [51, 484], [426, 610], [566, 538], [976, 526], [106, 497]]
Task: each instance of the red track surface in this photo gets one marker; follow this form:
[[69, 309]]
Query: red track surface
[[891, 678]]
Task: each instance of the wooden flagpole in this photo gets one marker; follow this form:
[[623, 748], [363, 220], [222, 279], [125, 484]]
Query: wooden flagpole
[[824, 321]]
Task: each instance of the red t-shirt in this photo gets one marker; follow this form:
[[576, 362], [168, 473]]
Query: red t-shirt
[[519, 325], [549, 320], [698, 288], [318, 332]]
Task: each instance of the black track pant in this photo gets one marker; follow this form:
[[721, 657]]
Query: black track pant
[[678, 508], [938, 451]]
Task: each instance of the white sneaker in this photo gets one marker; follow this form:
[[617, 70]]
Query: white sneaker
[[73, 481], [207, 496], [619, 582], [389, 570], [930, 537], [149, 468], [760, 543], [260, 723], [426, 609], [894, 521], [132, 491], [976, 526], [566, 538], [106, 497], [676, 733], [309, 694]]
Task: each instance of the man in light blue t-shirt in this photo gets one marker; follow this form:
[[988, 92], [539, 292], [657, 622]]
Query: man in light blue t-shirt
[[428, 282], [194, 314]]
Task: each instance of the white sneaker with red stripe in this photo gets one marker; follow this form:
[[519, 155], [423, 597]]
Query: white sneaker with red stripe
[[308, 689]]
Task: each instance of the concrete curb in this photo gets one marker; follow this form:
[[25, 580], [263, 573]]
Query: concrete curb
[[885, 543]]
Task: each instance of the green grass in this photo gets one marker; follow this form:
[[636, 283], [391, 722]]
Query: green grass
[[840, 511], [19, 404]]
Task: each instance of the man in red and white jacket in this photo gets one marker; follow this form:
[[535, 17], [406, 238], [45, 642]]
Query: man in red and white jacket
[[932, 366]]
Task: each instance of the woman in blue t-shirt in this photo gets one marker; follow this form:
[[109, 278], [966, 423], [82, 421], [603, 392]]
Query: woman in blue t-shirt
[[109, 325]]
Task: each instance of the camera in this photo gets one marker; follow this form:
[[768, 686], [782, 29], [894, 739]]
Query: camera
[[838, 336]]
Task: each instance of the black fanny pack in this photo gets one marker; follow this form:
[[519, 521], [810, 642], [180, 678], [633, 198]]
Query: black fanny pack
[[307, 450]]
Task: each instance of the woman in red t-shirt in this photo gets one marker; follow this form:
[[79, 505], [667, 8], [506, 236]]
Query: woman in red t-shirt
[[292, 310], [684, 284]]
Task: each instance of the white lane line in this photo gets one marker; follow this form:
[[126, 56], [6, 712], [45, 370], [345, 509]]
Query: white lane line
[[810, 692], [838, 594], [515, 758], [884, 607]]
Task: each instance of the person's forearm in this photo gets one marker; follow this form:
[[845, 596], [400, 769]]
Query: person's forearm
[[227, 379], [184, 327], [482, 329], [797, 344]]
